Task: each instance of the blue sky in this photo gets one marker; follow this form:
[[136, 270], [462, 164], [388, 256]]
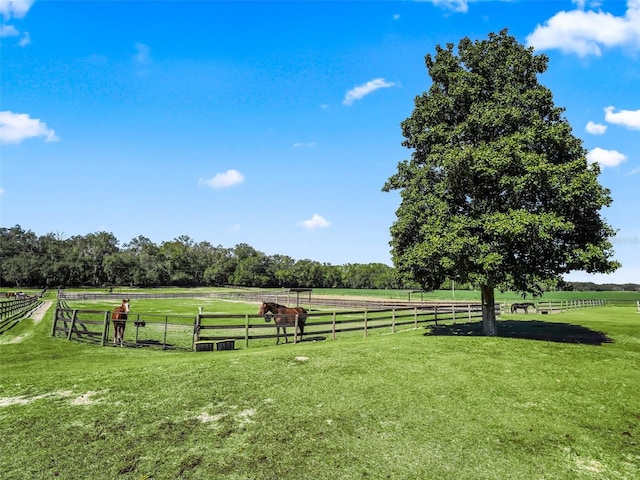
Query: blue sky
[[275, 124]]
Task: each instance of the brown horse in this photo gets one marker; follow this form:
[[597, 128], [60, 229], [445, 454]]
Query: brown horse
[[521, 306], [119, 319], [284, 317]]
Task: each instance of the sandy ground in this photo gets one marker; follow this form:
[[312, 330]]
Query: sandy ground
[[38, 313]]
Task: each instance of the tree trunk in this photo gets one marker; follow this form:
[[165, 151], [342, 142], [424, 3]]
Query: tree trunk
[[489, 326]]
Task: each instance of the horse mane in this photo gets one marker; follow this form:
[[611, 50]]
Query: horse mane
[[274, 304]]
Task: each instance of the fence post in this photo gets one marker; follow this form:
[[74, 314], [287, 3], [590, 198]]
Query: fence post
[[246, 330], [105, 329], [196, 330], [365, 322], [435, 314], [164, 339], [55, 321], [295, 329], [469, 311], [415, 318], [453, 313], [73, 324], [393, 320], [333, 325]]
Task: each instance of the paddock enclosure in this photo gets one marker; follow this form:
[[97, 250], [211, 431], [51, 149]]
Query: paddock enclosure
[[184, 332], [328, 318]]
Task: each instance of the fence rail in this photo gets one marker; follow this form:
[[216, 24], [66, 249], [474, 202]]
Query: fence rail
[[564, 305], [12, 311], [277, 296], [182, 332]]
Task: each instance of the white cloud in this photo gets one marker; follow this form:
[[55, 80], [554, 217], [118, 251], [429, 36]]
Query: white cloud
[[142, 55], [455, 5], [627, 118], [234, 228], [227, 179], [25, 40], [16, 127], [15, 8], [1, 190], [595, 128], [635, 171], [316, 221], [362, 90], [303, 144], [12, 10], [585, 32], [396, 16], [8, 31], [606, 158]]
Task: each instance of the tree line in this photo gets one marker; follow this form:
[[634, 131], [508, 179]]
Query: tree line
[[96, 259], [28, 260]]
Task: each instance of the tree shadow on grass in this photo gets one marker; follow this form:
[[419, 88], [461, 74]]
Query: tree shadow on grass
[[529, 330]]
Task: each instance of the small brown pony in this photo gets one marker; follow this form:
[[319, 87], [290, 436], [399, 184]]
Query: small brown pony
[[284, 317], [119, 319]]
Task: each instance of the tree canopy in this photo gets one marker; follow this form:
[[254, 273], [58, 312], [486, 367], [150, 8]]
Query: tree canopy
[[498, 191], [97, 259]]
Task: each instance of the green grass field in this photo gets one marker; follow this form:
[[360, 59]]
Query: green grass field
[[419, 404]]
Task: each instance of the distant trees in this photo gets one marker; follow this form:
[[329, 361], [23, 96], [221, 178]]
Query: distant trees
[[97, 259]]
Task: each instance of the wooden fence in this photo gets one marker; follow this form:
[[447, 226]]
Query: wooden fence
[[11, 311], [185, 332], [564, 305], [216, 328], [277, 296]]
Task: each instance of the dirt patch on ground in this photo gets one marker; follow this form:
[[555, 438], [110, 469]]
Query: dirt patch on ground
[[82, 399], [38, 313]]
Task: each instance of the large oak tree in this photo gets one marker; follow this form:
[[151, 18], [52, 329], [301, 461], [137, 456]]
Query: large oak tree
[[498, 191]]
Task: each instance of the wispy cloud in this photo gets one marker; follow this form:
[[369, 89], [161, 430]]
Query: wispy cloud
[[606, 158], [234, 228], [627, 118], [455, 5], [304, 144], [17, 127], [635, 171], [586, 32], [25, 39], [595, 128], [8, 31], [226, 179], [315, 222], [12, 10], [365, 89], [15, 8], [143, 54]]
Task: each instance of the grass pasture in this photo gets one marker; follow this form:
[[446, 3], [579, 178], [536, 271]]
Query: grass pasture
[[557, 397]]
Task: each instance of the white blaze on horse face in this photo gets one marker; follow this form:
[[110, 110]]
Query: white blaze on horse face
[[126, 306]]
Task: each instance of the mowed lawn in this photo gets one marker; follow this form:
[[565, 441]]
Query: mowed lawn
[[418, 404]]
